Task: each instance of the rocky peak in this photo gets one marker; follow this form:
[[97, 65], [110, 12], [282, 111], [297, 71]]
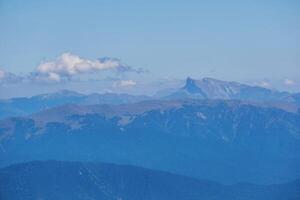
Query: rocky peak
[[191, 86]]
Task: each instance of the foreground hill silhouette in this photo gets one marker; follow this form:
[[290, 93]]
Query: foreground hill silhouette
[[53, 180]]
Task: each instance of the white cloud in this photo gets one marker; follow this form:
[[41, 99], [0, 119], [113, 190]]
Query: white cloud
[[2, 74], [7, 77], [68, 65], [265, 84], [289, 82], [125, 83]]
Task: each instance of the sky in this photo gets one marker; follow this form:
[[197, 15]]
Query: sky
[[49, 45]]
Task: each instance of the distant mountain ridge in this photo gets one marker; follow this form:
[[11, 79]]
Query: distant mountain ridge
[[206, 88], [54, 180], [24, 106], [209, 88]]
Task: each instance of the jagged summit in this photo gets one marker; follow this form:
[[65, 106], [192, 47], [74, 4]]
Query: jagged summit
[[191, 86], [210, 88]]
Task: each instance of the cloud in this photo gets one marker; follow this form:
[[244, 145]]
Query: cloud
[[2, 74], [68, 65], [265, 84], [125, 83], [289, 82], [7, 77]]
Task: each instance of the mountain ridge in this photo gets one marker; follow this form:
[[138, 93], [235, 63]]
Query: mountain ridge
[[89, 180], [25, 106], [211, 88], [185, 135], [206, 88]]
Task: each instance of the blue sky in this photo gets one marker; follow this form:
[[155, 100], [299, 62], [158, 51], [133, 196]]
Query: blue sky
[[248, 41]]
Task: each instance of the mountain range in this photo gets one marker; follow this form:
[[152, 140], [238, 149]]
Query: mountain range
[[227, 141], [209, 139], [28, 105], [206, 88], [209, 88], [53, 180]]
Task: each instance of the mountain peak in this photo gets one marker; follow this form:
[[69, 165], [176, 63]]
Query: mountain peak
[[191, 87], [189, 79]]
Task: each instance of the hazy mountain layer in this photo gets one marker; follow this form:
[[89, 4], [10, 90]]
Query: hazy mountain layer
[[209, 88], [206, 88], [25, 106]]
